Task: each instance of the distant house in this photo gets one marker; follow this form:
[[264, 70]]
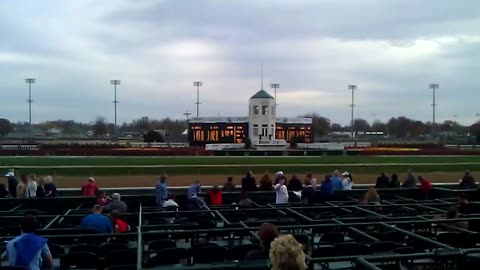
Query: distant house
[[53, 132]]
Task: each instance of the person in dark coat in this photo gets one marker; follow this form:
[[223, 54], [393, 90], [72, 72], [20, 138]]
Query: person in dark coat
[[394, 182], [294, 184], [266, 183], [229, 186], [249, 183], [49, 187], [383, 181], [410, 181], [12, 184], [467, 181]]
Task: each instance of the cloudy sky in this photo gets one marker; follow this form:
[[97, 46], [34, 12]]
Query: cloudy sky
[[391, 49]]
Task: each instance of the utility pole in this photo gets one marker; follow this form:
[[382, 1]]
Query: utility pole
[[187, 114], [434, 87], [30, 81], [275, 86], [352, 87], [198, 84], [115, 102]]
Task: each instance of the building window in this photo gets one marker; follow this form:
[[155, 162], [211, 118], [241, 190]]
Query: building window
[[273, 110], [255, 130], [255, 109], [264, 110]]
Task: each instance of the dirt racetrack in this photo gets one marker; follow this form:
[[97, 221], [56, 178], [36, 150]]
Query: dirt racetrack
[[218, 179]]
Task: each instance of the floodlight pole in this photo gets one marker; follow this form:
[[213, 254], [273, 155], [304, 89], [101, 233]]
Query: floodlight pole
[[352, 87], [275, 86], [198, 84], [115, 102], [434, 87], [30, 81]]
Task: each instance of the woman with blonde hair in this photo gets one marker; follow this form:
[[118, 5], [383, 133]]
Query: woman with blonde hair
[[372, 196], [22, 187], [32, 186], [40, 188], [50, 188], [287, 254]]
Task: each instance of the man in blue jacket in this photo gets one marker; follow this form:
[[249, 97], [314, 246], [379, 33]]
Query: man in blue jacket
[[29, 250], [97, 221]]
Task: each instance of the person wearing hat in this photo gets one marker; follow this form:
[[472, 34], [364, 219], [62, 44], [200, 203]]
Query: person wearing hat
[[12, 184], [347, 182], [280, 176], [90, 188]]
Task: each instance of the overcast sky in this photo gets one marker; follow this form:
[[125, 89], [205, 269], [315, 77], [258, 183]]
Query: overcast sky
[[392, 49]]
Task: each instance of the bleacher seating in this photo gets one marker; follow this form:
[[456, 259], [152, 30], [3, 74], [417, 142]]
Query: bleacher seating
[[400, 233]]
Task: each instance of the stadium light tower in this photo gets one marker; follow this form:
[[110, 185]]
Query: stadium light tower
[[352, 87], [434, 87], [115, 102], [30, 81], [275, 86], [198, 84]]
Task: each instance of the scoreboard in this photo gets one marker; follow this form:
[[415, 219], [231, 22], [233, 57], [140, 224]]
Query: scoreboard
[[200, 134], [204, 133]]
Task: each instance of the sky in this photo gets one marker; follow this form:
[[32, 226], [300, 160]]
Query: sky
[[392, 50]]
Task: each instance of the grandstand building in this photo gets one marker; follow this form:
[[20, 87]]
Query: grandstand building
[[262, 126]]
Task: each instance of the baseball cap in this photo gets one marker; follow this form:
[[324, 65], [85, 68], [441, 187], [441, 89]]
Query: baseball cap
[[279, 173], [91, 179], [10, 174], [345, 174]]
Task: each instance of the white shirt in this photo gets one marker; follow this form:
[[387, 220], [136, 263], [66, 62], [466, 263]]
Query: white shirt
[[170, 203], [347, 184], [31, 189], [282, 194]]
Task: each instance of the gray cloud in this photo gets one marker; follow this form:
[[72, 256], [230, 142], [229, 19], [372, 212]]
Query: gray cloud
[[391, 49]]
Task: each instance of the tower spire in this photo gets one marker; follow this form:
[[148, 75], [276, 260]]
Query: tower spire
[[261, 77]]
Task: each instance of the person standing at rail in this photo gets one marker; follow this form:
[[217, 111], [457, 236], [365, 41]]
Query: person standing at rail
[[281, 192], [249, 183], [12, 184], [90, 188], [161, 190]]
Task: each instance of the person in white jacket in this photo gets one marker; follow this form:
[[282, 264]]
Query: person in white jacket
[[31, 189], [347, 181]]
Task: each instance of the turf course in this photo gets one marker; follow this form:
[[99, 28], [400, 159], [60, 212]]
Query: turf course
[[235, 165]]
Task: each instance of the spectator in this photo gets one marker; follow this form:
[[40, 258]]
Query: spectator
[[410, 181], [12, 184], [267, 233], [452, 213], [372, 196], [229, 186], [116, 204], [465, 207], [295, 184], [118, 223], [425, 186], [383, 181], [22, 187], [170, 202], [249, 183], [3, 191], [32, 186], [308, 192], [266, 183], [394, 182], [161, 190], [281, 192], [102, 198], [29, 250], [326, 189], [336, 181], [278, 176], [245, 201], [287, 254], [347, 182], [97, 221], [90, 188], [467, 181], [312, 181], [215, 196], [50, 188], [193, 198], [40, 188]]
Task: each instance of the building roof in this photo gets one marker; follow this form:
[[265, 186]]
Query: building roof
[[262, 94]]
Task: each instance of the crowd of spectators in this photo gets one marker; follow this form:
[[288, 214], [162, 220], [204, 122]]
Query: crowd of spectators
[[29, 186]]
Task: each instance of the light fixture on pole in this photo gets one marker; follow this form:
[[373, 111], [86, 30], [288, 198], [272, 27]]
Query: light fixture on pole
[[275, 86], [352, 87], [115, 102], [30, 81], [434, 87], [198, 84]]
